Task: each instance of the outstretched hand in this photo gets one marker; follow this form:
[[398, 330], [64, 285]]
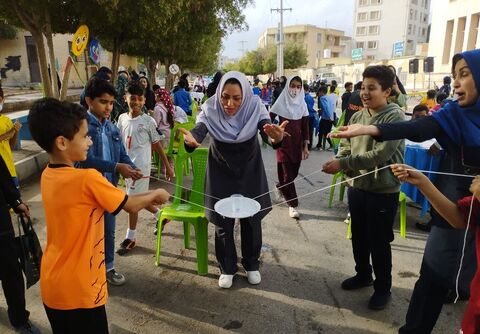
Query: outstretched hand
[[354, 130], [188, 138], [408, 174], [475, 187], [276, 132]]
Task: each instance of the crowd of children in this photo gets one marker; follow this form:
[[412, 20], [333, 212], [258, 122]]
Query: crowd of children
[[88, 153]]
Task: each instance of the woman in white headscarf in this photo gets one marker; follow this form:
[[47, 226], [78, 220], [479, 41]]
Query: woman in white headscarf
[[290, 106], [233, 117]]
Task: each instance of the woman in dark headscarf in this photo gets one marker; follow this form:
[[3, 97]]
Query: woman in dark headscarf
[[149, 94], [398, 95], [212, 87]]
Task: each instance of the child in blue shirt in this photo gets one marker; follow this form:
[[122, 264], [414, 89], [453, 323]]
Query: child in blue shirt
[[182, 98]]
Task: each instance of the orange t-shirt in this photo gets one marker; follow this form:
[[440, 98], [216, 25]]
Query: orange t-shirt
[[73, 264]]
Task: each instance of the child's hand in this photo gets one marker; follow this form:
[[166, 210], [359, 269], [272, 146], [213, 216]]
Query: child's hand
[[305, 153], [408, 174], [128, 172], [160, 196], [17, 126], [169, 172], [188, 138], [475, 187], [276, 132], [332, 167]]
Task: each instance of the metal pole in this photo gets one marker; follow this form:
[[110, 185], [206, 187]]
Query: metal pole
[[280, 64]]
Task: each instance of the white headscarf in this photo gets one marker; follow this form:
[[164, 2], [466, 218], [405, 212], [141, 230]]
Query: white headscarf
[[244, 124], [289, 107]]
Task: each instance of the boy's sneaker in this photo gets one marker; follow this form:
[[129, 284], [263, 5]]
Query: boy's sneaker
[[28, 328], [126, 246], [278, 196], [254, 277], [225, 281], [293, 212], [357, 282], [379, 300], [115, 278]]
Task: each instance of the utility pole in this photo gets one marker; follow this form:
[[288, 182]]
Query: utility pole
[[280, 38], [243, 47]]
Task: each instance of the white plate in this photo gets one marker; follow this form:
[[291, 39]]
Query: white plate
[[237, 206]]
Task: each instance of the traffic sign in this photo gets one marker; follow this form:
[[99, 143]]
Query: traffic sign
[[174, 69], [398, 49], [357, 54]]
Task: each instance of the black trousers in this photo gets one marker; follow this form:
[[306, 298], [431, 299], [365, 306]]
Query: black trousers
[[12, 281], [225, 251], [325, 127], [372, 232], [311, 124], [287, 172], [78, 321]]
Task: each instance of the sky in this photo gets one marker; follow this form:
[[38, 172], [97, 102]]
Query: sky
[[259, 17]]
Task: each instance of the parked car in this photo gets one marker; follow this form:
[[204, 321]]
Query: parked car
[[328, 77]]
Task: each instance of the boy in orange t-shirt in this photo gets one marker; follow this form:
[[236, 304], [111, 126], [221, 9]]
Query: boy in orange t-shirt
[[72, 278]]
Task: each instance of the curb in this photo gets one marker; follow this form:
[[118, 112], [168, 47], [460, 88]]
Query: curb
[[31, 165]]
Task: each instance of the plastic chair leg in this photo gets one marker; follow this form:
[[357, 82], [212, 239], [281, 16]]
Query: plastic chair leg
[[403, 215], [332, 189], [186, 235], [159, 241], [201, 241], [342, 192], [349, 229]]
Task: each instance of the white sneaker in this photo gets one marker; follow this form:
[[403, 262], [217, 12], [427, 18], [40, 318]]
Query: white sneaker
[[293, 212], [225, 281], [278, 196], [254, 277]]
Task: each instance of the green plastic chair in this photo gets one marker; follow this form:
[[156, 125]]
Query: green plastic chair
[[337, 176], [194, 107], [175, 145], [336, 141], [191, 212], [402, 198]]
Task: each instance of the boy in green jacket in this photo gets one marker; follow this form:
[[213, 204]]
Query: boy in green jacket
[[372, 199]]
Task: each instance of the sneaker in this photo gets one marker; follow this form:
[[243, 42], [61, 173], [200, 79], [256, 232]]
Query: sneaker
[[356, 282], [423, 227], [254, 277], [278, 195], [379, 300], [126, 246], [28, 328], [293, 213], [115, 278], [225, 281]]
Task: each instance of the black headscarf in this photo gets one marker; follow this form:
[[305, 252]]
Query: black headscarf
[[212, 87]]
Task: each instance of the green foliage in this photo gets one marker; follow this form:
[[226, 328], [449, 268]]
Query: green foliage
[[7, 31]]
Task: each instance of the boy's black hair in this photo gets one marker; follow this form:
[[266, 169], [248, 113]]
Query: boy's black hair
[[183, 83], [155, 87], [348, 84], [333, 87], [135, 89], [358, 85], [441, 97], [322, 89], [50, 118], [105, 69], [383, 74], [431, 93], [96, 87], [306, 88], [334, 83], [420, 107]]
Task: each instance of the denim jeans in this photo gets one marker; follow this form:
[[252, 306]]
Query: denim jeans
[[109, 240]]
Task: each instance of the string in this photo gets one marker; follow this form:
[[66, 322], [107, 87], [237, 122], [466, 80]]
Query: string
[[186, 201], [441, 173], [463, 250]]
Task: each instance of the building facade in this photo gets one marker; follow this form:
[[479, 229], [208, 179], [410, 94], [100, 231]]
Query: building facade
[[455, 25], [19, 66], [384, 29], [319, 43]]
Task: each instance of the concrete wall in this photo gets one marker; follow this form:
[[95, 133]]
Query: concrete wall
[[17, 47], [443, 45]]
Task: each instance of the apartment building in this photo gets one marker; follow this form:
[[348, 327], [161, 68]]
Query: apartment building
[[455, 25], [384, 29], [320, 43]]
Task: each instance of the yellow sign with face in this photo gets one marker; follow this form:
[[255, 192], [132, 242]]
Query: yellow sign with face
[[80, 40]]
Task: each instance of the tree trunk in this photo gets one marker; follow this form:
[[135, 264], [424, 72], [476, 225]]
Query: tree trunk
[[53, 69], [87, 75], [115, 59], [170, 78], [152, 70], [42, 62]]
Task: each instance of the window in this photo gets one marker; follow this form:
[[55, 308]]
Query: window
[[361, 31], [425, 18], [473, 31], [409, 29], [319, 38], [426, 4], [448, 42], [376, 2], [416, 14], [373, 30], [363, 2], [414, 2], [360, 45], [372, 45], [361, 17], [411, 14], [370, 57], [375, 15], [424, 32]]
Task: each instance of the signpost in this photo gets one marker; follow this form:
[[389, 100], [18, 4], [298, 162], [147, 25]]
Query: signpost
[[357, 54], [94, 51]]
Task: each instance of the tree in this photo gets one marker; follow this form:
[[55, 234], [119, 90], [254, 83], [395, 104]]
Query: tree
[[7, 31]]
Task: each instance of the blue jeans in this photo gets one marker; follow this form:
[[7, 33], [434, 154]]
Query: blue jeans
[[109, 240]]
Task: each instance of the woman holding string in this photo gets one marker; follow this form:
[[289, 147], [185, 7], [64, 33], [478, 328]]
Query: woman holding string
[[457, 128], [233, 117]]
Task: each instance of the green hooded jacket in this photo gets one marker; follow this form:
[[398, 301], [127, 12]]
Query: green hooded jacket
[[363, 154]]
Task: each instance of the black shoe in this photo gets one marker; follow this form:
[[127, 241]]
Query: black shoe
[[356, 282], [28, 328], [379, 300], [423, 227]]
